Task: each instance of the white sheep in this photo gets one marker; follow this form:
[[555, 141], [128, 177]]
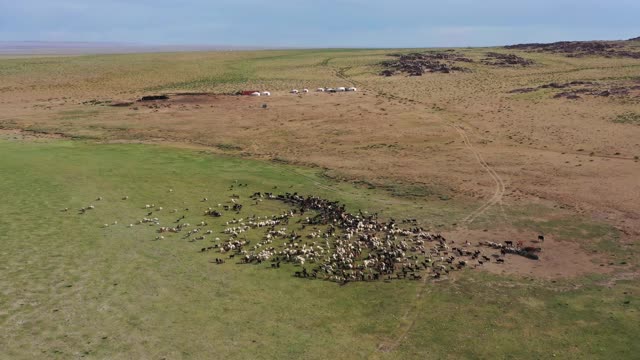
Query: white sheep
[[305, 90], [295, 91], [320, 89], [266, 93]]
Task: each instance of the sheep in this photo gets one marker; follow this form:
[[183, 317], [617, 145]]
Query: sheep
[[266, 93], [125, 198], [160, 208], [170, 190], [105, 225], [305, 90], [99, 198], [352, 89], [320, 89], [341, 89], [255, 94], [147, 206], [294, 91]]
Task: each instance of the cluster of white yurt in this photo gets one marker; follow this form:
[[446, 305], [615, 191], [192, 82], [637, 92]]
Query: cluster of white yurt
[[338, 89], [323, 89]]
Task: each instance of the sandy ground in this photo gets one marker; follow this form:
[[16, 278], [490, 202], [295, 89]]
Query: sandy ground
[[558, 259]]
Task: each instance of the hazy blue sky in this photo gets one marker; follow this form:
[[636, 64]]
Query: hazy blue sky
[[319, 23]]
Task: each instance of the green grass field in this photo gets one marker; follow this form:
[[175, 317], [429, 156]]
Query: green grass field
[[71, 288]]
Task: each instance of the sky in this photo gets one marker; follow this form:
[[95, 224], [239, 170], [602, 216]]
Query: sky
[[318, 23]]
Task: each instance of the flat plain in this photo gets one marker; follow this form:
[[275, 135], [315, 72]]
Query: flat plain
[[468, 154]]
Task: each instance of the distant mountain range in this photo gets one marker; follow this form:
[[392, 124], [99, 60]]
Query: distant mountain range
[[75, 48]]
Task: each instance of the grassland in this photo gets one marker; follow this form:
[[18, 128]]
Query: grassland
[[74, 289], [439, 148]]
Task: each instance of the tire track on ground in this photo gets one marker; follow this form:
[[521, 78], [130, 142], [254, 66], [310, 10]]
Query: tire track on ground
[[500, 187], [496, 199]]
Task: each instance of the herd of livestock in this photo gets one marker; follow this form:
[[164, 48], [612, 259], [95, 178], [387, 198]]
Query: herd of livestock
[[319, 239]]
